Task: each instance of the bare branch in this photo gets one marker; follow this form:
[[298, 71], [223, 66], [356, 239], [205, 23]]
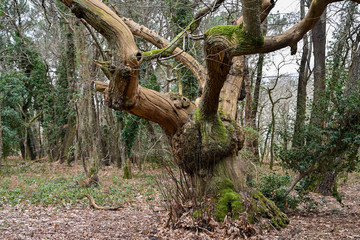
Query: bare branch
[[95, 39], [190, 62], [16, 27], [203, 12]]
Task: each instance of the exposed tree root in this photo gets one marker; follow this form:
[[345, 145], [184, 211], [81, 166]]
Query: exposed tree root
[[95, 206]]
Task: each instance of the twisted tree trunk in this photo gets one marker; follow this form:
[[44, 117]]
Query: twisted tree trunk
[[205, 137]]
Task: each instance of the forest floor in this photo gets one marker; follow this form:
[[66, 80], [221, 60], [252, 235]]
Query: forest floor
[[46, 201]]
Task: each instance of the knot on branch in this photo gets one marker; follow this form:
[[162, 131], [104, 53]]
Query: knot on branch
[[179, 100]]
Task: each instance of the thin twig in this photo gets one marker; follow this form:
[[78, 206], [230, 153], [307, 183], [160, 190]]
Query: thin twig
[[45, 13], [95, 38]]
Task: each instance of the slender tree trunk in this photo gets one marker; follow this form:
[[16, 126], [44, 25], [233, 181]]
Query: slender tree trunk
[[266, 142], [298, 139], [273, 124], [319, 42], [97, 155], [273, 121], [1, 148], [319, 102], [67, 150], [328, 184], [29, 146], [255, 104]]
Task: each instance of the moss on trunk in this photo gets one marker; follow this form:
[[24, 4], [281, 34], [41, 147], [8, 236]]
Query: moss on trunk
[[207, 150], [229, 202], [237, 35], [201, 143], [263, 207]]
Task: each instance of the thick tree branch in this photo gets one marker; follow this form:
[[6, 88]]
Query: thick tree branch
[[241, 44], [266, 7], [123, 91], [111, 26], [190, 62], [224, 42], [219, 60], [251, 13], [170, 111]]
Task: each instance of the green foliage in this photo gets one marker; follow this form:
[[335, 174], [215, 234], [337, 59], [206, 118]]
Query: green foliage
[[181, 13], [12, 92], [335, 136], [331, 137], [190, 84], [26, 87], [151, 82], [274, 187], [60, 191], [181, 16], [129, 132]]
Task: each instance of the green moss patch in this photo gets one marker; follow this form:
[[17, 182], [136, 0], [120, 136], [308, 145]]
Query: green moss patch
[[152, 52], [229, 202], [202, 143], [211, 131], [263, 207], [127, 173], [237, 35]]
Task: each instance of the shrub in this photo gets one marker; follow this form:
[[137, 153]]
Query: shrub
[[274, 187]]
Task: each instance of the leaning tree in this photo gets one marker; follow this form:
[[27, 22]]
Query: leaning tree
[[204, 135]]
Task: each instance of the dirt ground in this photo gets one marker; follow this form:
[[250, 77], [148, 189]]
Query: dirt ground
[[138, 220], [329, 220]]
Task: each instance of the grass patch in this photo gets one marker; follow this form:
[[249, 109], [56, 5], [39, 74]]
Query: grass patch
[[51, 184]]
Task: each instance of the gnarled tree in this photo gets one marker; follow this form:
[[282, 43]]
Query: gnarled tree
[[205, 137]]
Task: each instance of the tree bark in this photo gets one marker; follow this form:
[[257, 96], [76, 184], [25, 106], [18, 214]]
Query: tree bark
[[298, 140], [319, 42], [255, 104], [67, 149], [1, 145], [319, 101]]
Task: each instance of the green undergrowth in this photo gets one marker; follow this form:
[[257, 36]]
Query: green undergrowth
[[36, 184], [274, 186]]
